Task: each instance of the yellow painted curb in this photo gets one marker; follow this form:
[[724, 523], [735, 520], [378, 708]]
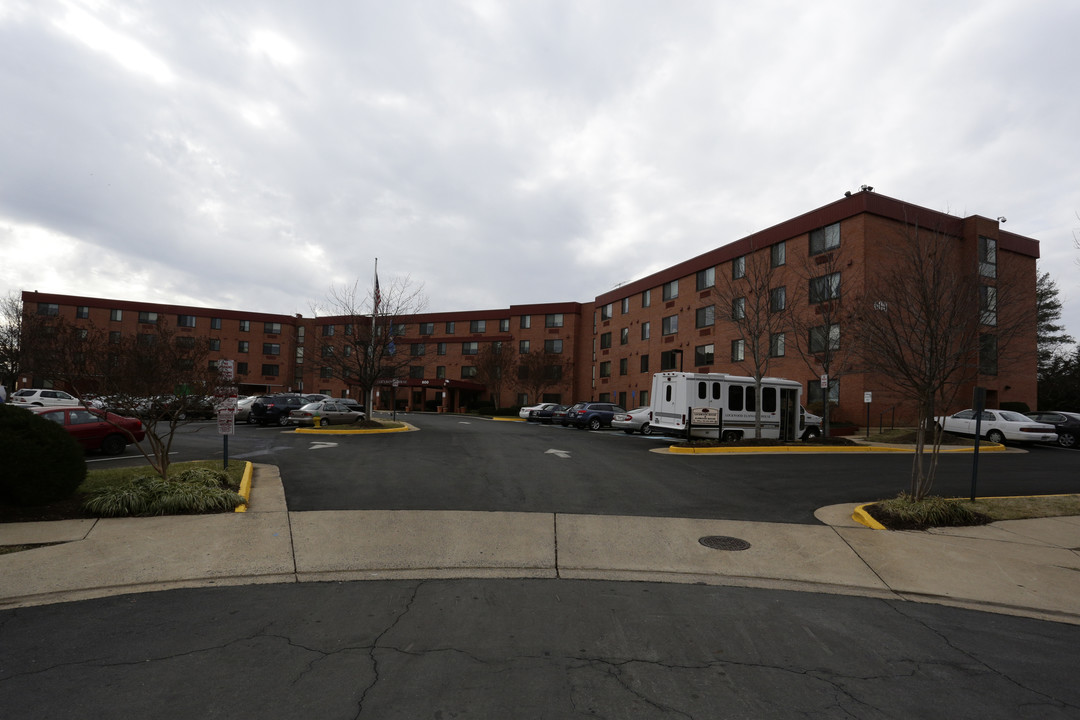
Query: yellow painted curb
[[508, 419], [245, 487], [372, 431], [861, 516]]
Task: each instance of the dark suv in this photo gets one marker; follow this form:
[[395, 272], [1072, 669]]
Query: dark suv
[[592, 415], [275, 408]]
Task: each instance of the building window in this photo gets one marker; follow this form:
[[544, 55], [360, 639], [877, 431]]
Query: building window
[[215, 323], [326, 372], [468, 371], [646, 298], [245, 326], [777, 299], [187, 321], [242, 346], [776, 345], [554, 320], [605, 312], [738, 267], [299, 356], [49, 309], [705, 316], [416, 372], [115, 337], [605, 341], [738, 309], [523, 347], [272, 328], [470, 348], [215, 344], [988, 304], [270, 370], [671, 290], [987, 257], [605, 369], [706, 278], [450, 326], [553, 347], [148, 318], [644, 363], [703, 355], [328, 330], [624, 366], [645, 330], [440, 349], [417, 349], [553, 372], [988, 354], [738, 350], [147, 339], [477, 326], [669, 325], [427, 328], [778, 254], [624, 336], [241, 368], [504, 325], [440, 372], [116, 315], [667, 360], [824, 337], [816, 394], [82, 312], [271, 349], [625, 305], [824, 288], [525, 322], [825, 239]]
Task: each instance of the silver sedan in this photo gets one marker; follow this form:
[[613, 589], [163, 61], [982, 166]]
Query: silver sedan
[[324, 412], [636, 420]]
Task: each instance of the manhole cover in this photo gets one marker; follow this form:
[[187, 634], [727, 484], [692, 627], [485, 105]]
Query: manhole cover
[[722, 542]]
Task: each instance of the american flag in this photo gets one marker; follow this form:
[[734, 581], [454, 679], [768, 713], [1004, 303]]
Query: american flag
[[378, 296]]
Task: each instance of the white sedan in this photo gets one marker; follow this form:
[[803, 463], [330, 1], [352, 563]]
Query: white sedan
[[997, 426], [638, 419], [524, 412]]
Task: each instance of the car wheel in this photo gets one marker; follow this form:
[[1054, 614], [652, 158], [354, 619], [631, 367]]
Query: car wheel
[[995, 436], [323, 422], [250, 420], [646, 429], [1067, 440], [283, 420], [181, 416], [113, 445], [594, 424]]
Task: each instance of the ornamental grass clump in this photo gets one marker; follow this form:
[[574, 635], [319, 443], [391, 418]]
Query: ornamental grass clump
[[905, 513], [193, 491]]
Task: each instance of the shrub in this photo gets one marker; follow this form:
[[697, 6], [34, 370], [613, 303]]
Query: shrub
[[198, 490], [42, 463], [905, 513]]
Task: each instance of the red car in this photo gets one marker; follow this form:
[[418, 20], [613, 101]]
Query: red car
[[92, 431]]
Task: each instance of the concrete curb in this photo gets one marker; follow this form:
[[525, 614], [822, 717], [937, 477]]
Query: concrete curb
[[245, 487], [676, 450], [368, 431]]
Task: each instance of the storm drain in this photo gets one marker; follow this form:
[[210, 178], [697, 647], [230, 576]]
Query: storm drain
[[722, 542]]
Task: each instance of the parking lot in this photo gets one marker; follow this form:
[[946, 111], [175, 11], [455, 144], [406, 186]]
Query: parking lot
[[470, 463]]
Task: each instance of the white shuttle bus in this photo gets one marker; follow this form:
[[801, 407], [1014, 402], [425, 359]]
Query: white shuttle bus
[[675, 393]]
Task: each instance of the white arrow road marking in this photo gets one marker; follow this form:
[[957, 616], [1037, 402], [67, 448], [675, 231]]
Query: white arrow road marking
[[560, 453], [321, 445], [463, 422]]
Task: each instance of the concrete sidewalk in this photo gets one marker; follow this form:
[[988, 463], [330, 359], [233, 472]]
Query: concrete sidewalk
[[1021, 567]]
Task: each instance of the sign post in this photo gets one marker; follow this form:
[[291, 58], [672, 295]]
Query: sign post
[[867, 397], [705, 417], [978, 404], [225, 404]]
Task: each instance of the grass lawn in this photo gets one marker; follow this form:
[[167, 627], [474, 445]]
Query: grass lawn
[[902, 514]]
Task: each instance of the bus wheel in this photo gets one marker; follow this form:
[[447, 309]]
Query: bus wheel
[[731, 436]]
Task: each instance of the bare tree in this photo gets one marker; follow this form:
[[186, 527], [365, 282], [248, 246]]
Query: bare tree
[[495, 365], [11, 334], [360, 346], [163, 377], [751, 300], [538, 371], [825, 297], [930, 323]]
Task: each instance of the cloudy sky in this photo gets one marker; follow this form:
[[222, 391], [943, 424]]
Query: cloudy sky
[[248, 155]]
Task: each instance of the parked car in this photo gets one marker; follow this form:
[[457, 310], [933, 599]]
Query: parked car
[[542, 413], [324, 412], [524, 412], [243, 409], [275, 408], [997, 426], [559, 416], [42, 398], [95, 429], [593, 415], [1067, 425], [636, 420]]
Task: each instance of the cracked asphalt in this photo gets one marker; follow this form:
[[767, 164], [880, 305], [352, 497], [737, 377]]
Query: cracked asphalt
[[528, 649]]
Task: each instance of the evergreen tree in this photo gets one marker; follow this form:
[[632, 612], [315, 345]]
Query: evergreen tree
[[1050, 333]]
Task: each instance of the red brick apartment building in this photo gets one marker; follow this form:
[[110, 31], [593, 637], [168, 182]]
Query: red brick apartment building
[[609, 348]]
